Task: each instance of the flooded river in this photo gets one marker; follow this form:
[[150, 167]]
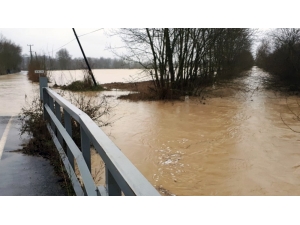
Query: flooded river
[[235, 142]]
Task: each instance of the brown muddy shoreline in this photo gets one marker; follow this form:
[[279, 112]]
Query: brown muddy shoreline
[[144, 90]]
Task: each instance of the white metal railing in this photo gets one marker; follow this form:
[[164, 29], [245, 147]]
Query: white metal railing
[[121, 175]]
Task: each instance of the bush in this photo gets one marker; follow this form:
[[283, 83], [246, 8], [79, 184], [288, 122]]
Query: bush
[[41, 144], [37, 65], [85, 85]]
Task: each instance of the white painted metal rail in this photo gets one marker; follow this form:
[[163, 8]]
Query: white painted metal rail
[[121, 175]]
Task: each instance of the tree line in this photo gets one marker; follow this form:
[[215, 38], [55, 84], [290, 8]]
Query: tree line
[[180, 60], [279, 54], [10, 56], [64, 61]]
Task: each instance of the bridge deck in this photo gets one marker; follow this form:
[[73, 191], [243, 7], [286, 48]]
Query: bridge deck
[[23, 175]]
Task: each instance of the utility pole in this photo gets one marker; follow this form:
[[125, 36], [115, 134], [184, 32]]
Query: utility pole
[[87, 63], [30, 52]]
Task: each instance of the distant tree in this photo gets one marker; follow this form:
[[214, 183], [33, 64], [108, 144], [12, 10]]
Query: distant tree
[[10, 56], [286, 37], [281, 55], [262, 53], [25, 61], [79, 63], [64, 59]]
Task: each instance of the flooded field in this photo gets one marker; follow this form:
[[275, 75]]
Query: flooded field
[[101, 75], [239, 140]]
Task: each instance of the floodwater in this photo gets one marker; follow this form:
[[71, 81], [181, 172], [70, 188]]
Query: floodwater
[[102, 76], [239, 140], [15, 90]]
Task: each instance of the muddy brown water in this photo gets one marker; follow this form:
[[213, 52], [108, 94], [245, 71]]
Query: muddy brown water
[[237, 143]]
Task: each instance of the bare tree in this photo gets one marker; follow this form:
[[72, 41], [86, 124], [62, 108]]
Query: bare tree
[[281, 55], [182, 59]]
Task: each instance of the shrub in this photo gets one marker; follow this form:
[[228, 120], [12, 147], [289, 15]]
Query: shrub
[[85, 85], [41, 144]]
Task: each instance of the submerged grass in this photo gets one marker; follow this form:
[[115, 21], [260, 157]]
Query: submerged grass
[[82, 86], [86, 84]]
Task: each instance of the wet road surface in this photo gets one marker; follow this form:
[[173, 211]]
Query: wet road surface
[[23, 175]]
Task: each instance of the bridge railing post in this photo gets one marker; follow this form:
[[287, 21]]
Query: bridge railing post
[[112, 187], [58, 116], [45, 101], [51, 105], [44, 97], [85, 147], [68, 127], [43, 81]]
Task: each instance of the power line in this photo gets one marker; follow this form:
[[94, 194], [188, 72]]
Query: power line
[[90, 32], [78, 37], [64, 45]]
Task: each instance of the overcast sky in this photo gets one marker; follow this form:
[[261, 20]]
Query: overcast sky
[[95, 41], [50, 40], [130, 13]]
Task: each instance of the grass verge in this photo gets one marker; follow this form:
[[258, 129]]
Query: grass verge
[[41, 144]]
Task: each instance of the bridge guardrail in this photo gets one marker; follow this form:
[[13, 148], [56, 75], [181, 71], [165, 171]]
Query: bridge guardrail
[[121, 175]]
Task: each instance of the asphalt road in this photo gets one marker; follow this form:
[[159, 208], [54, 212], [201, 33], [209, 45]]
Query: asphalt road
[[23, 175]]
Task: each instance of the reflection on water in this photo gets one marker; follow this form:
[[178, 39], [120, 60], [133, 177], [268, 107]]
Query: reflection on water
[[235, 144]]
